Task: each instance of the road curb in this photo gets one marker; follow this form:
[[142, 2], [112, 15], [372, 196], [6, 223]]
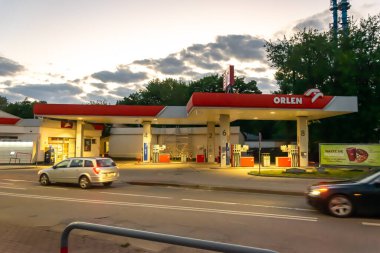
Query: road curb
[[216, 188]]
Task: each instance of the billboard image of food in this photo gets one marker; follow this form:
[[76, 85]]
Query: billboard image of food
[[350, 154]]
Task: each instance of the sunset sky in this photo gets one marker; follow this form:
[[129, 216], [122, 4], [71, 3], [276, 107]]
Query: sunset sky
[[88, 50]]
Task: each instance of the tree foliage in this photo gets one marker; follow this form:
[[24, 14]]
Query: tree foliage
[[23, 109], [177, 92], [346, 66]]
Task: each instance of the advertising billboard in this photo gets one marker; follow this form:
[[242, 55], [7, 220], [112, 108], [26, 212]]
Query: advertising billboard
[[350, 154]]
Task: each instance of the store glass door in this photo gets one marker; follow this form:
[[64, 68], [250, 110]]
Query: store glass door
[[63, 148]]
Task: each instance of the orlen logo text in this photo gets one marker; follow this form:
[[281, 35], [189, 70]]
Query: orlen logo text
[[288, 100], [313, 93]]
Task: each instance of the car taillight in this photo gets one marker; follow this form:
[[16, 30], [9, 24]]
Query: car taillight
[[96, 170]]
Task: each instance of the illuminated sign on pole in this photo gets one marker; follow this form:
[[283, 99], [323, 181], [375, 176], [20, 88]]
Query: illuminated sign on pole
[[228, 78]]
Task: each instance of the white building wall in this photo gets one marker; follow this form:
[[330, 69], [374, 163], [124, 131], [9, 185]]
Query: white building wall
[[127, 142], [95, 147], [23, 134], [39, 135], [125, 146]]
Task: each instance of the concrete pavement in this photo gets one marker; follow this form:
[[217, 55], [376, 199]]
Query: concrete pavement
[[210, 176], [202, 176], [14, 238]]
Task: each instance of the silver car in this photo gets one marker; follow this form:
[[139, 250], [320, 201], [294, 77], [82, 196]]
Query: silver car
[[84, 171]]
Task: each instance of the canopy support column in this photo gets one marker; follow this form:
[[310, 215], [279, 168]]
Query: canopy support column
[[210, 142], [303, 141], [79, 138], [224, 135], [147, 139]]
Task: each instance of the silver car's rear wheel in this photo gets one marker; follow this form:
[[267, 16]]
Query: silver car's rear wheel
[[84, 182], [340, 206], [44, 180]]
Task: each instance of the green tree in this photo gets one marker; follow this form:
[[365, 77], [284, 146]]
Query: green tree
[[302, 62], [165, 92], [3, 103], [23, 109], [242, 87], [176, 92], [346, 66], [212, 83]]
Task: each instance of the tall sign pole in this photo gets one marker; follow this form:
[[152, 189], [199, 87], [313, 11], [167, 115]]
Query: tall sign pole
[[228, 79], [260, 137]]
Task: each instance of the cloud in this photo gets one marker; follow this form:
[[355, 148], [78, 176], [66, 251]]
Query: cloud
[[121, 75], [101, 98], [7, 83], [9, 67], [100, 86], [209, 57], [202, 60], [53, 93], [319, 21], [123, 91], [259, 70], [266, 85], [241, 47], [170, 66]]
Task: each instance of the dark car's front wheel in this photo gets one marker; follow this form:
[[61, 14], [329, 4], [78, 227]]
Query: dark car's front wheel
[[340, 206]]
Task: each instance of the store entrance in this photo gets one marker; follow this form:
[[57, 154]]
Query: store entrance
[[63, 147]]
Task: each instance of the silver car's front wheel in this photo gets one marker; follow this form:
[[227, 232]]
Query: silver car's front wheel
[[84, 182], [340, 206], [44, 180]]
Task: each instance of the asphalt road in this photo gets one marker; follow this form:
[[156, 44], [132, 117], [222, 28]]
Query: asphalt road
[[278, 222]]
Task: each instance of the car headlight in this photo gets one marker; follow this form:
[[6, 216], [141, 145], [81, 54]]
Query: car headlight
[[317, 192]]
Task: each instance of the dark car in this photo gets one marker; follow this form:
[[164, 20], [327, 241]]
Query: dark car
[[344, 198]]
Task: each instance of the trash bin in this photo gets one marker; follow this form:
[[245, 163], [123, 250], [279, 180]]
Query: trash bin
[[265, 159]]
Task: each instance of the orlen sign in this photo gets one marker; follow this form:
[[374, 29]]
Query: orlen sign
[[287, 100], [314, 94]]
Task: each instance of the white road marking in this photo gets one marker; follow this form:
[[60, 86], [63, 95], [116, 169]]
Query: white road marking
[[7, 183], [243, 204], [210, 201], [180, 208], [14, 188], [371, 224], [52, 187], [19, 180], [136, 195]]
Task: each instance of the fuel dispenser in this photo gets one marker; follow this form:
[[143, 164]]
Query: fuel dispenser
[[292, 151], [156, 152], [201, 154], [49, 155], [237, 149]]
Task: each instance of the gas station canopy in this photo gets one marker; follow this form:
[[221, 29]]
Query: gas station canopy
[[207, 107]]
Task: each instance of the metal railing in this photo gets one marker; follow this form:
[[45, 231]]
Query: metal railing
[[157, 237]]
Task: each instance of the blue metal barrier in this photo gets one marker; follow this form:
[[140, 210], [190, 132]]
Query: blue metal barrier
[[157, 237]]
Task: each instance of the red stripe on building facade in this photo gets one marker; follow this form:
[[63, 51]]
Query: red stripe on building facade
[[8, 121], [97, 110]]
